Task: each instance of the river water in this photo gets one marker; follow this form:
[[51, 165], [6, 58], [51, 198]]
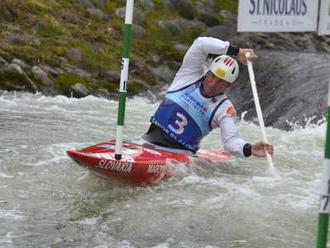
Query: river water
[[46, 200]]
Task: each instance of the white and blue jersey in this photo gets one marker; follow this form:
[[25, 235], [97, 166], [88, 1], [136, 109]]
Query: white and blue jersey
[[186, 115]]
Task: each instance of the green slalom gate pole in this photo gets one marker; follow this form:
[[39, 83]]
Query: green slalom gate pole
[[124, 78], [322, 235]]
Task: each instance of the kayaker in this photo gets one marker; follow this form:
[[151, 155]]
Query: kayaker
[[196, 103]]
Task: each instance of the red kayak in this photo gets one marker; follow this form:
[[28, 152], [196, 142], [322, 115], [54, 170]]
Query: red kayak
[[140, 164]]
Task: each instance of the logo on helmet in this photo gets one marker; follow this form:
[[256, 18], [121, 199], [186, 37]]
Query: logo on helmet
[[220, 73]]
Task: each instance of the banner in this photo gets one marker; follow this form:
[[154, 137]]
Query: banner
[[324, 23], [277, 15]]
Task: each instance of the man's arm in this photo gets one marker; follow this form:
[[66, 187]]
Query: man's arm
[[230, 137], [225, 120], [232, 141], [192, 67]]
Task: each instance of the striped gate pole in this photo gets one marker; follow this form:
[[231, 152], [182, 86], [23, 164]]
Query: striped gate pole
[[325, 188], [124, 78]]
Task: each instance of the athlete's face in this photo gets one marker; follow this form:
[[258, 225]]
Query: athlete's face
[[213, 85]]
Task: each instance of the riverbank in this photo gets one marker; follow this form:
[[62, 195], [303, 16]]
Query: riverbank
[[73, 48]]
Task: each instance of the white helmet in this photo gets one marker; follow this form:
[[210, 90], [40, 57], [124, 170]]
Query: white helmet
[[225, 67]]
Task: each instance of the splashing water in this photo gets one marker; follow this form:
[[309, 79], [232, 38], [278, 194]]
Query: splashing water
[[46, 200]]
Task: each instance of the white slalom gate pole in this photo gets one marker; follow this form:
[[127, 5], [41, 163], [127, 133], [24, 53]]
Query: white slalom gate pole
[[258, 108]]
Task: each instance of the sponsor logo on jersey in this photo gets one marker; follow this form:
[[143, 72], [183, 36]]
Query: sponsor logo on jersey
[[231, 111], [194, 103]]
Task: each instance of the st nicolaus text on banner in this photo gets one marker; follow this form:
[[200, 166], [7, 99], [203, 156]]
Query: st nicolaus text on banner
[[277, 15]]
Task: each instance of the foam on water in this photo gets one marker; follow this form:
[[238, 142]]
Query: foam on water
[[8, 239], [232, 204], [88, 221], [11, 215], [3, 175]]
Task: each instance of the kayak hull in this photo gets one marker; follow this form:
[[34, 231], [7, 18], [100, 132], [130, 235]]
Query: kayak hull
[[139, 164]]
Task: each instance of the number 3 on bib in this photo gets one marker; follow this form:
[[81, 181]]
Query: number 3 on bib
[[181, 123]]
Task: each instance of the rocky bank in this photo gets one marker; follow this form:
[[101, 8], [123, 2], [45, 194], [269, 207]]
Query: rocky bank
[[73, 47]]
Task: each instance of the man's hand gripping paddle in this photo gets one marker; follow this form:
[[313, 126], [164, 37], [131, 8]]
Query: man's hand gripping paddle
[[258, 109]]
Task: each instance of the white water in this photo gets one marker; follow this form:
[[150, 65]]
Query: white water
[[48, 201]]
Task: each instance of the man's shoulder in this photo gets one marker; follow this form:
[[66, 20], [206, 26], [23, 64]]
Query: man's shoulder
[[227, 108]]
